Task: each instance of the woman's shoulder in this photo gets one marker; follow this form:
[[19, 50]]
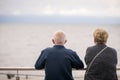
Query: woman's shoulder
[[91, 47], [111, 49]]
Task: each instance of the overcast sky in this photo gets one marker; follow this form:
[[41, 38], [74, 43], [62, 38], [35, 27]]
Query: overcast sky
[[61, 7]]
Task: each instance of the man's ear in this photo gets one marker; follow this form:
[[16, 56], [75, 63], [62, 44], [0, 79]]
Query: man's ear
[[65, 41], [53, 41]]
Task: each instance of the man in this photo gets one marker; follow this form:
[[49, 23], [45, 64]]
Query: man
[[58, 61]]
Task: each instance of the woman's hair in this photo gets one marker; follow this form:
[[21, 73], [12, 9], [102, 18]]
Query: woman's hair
[[100, 36]]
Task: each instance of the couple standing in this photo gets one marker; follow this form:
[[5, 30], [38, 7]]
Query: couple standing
[[58, 61]]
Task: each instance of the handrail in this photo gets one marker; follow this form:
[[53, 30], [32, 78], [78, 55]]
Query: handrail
[[29, 68], [17, 69]]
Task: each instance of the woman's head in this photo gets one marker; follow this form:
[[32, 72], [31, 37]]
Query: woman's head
[[100, 36]]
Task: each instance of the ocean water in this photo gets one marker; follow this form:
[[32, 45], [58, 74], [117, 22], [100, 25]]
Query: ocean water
[[21, 44]]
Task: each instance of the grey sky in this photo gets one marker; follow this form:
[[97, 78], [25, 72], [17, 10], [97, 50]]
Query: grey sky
[[61, 7]]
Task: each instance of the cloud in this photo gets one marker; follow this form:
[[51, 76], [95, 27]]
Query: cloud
[[73, 12], [48, 10], [61, 7], [17, 12]]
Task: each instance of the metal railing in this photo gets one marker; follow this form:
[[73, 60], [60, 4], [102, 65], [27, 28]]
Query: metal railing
[[18, 69]]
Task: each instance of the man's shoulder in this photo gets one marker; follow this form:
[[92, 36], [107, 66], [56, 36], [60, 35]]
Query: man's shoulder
[[70, 50], [48, 48], [66, 50]]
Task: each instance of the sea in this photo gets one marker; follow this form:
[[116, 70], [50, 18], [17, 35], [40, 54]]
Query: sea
[[21, 44]]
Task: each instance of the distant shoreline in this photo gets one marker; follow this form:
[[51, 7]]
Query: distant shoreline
[[59, 19]]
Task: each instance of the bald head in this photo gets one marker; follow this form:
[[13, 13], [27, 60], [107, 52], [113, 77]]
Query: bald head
[[59, 38]]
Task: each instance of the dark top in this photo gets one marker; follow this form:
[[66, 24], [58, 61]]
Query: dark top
[[58, 63], [104, 66]]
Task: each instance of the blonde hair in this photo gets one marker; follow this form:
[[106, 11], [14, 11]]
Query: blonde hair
[[100, 36], [59, 37]]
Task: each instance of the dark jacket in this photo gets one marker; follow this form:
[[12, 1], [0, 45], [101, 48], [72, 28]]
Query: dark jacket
[[58, 63], [104, 66]]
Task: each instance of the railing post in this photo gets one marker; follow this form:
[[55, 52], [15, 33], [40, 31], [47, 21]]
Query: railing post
[[17, 77], [26, 76]]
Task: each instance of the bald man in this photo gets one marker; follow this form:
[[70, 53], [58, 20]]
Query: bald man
[[58, 61]]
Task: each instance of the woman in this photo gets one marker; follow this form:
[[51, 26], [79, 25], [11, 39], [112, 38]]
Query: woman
[[100, 59]]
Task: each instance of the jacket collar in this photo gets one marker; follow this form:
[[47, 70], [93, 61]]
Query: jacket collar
[[59, 46], [101, 45]]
